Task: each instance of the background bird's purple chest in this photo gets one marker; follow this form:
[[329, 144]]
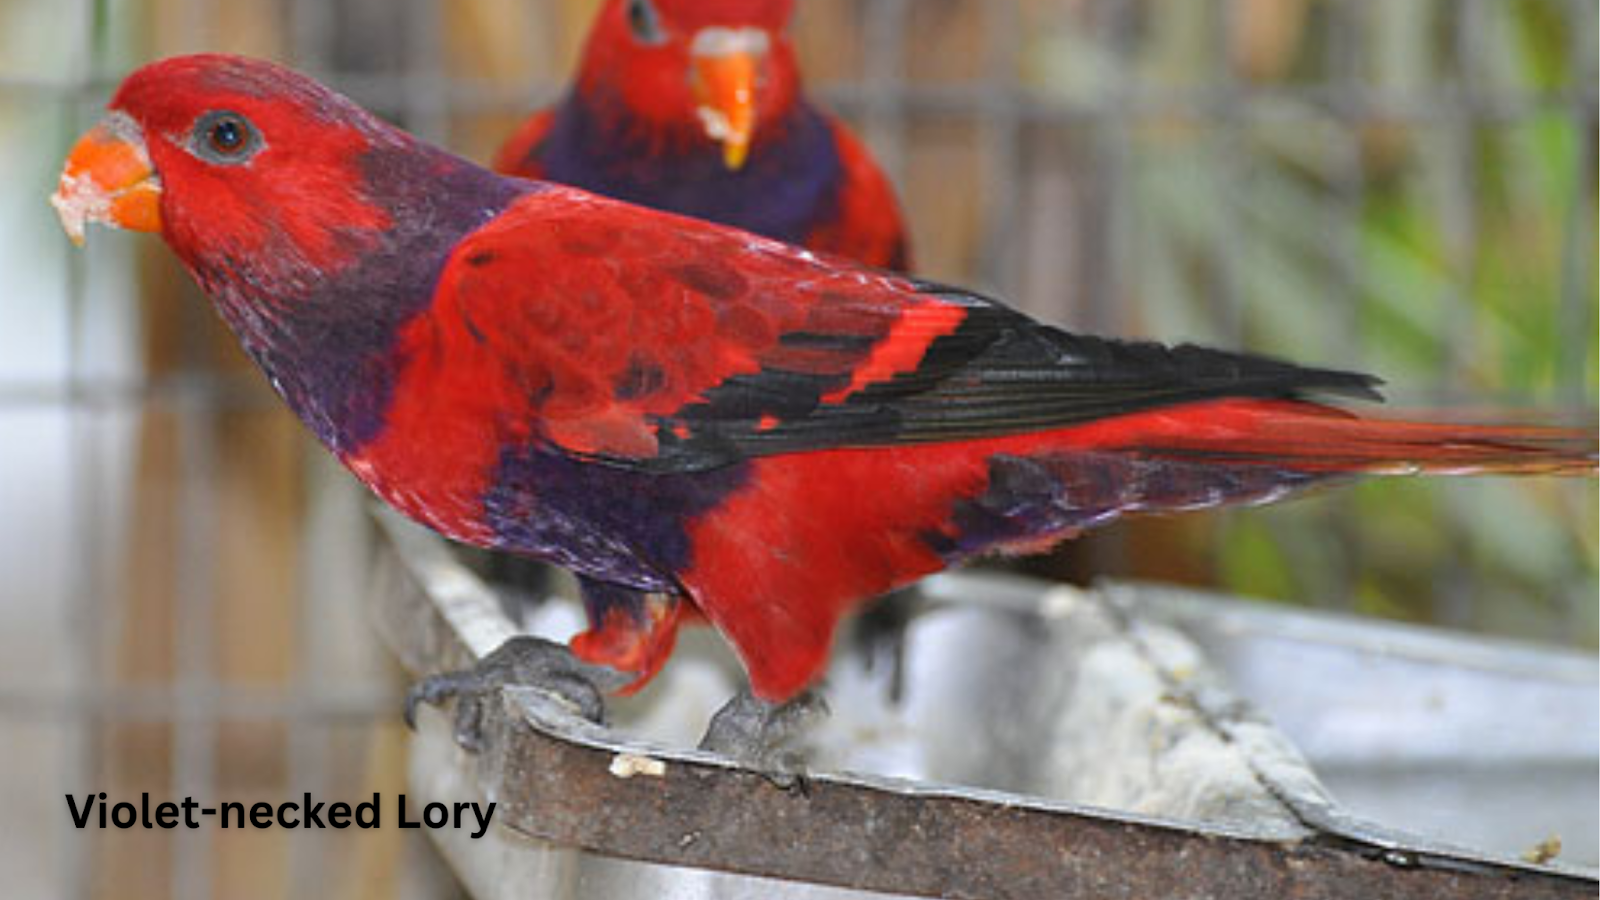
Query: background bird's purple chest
[[789, 187]]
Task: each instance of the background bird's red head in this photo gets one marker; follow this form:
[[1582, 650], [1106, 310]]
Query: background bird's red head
[[229, 157], [695, 70]]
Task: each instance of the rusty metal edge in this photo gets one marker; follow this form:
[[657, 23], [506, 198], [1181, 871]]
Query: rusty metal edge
[[556, 779]]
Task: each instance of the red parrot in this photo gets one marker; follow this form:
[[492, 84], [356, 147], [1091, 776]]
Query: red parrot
[[695, 107], [692, 418]]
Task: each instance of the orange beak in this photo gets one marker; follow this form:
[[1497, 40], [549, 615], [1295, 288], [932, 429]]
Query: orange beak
[[108, 179], [727, 66]]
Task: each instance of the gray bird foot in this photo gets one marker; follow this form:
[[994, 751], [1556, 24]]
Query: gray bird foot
[[522, 661], [759, 734]]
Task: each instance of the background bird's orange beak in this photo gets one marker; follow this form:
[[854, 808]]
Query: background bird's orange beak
[[727, 66], [108, 179]]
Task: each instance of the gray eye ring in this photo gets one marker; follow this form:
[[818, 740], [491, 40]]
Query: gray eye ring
[[225, 138]]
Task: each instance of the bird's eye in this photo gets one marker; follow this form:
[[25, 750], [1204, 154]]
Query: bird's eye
[[225, 138], [645, 22]]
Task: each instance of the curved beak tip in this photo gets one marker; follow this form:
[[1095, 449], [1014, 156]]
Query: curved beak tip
[[733, 134], [727, 65], [107, 179], [77, 202]]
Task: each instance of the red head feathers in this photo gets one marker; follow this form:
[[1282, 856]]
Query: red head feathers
[[695, 72], [225, 187], [314, 226]]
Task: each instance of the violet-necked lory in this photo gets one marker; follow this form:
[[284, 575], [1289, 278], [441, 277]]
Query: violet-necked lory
[[692, 418], [695, 107]]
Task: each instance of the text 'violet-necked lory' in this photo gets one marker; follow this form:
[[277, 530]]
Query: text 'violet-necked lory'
[[692, 418]]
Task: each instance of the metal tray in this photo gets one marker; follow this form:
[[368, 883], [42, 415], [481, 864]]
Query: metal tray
[[1023, 741]]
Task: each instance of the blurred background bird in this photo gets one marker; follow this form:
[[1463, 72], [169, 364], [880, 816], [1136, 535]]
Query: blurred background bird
[[696, 107]]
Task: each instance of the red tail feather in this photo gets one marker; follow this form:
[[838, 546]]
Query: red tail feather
[[1311, 438]]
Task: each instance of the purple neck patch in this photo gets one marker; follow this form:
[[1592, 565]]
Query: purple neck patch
[[326, 338]]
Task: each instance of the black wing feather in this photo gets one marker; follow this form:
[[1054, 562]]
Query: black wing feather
[[998, 373]]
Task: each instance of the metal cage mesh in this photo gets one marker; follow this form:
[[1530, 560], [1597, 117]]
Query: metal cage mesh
[[1326, 179]]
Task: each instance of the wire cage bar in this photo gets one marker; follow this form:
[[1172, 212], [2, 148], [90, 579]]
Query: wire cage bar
[[1113, 165]]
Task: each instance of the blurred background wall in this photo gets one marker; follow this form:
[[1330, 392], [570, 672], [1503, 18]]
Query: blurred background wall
[[1406, 187]]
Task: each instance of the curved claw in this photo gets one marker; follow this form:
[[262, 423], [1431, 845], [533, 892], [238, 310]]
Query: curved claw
[[522, 661], [432, 690]]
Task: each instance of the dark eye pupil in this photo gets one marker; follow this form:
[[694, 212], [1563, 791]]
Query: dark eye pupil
[[642, 19], [227, 136]]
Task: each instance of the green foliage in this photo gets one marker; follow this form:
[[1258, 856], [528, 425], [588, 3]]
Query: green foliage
[[1422, 206]]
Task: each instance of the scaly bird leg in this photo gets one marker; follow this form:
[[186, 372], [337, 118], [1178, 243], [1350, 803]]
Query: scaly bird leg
[[521, 661], [760, 734], [630, 635]]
